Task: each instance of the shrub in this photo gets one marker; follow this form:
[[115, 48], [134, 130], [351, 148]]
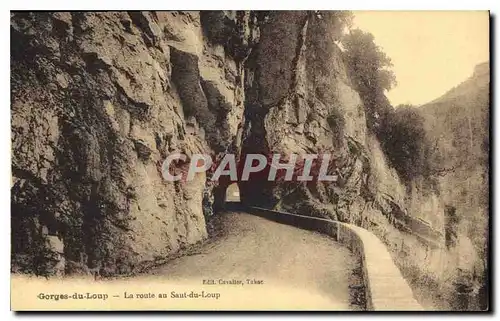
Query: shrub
[[406, 143]]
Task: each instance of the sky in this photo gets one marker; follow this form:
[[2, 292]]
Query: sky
[[432, 51]]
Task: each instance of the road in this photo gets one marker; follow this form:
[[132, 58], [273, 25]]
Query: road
[[299, 269]]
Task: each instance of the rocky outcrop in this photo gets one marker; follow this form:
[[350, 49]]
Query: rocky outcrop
[[299, 99], [438, 233], [98, 101]]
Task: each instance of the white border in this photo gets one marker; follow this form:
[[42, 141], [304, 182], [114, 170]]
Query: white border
[[492, 5], [256, 5]]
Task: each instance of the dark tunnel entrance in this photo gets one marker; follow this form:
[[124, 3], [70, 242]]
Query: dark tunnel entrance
[[227, 197], [257, 190], [266, 181]]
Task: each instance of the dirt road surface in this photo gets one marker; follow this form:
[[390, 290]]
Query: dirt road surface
[[295, 268]]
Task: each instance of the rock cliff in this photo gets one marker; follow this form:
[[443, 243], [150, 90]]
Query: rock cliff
[[299, 99], [98, 101]]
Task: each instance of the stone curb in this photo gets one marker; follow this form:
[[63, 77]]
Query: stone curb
[[385, 287]]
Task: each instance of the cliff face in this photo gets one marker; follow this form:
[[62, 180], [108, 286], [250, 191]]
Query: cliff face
[[458, 124], [98, 101], [299, 99]]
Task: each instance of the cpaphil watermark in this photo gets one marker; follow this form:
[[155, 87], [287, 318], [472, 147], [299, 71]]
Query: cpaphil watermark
[[309, 167]]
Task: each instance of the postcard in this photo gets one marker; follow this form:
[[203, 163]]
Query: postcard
[[250, 160]]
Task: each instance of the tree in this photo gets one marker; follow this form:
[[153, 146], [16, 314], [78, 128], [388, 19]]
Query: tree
[[342, 21], [406, 143], [368, 67], [400, 130]]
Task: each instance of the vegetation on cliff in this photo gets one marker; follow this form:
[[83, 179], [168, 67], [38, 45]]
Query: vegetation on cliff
[[400, 130]]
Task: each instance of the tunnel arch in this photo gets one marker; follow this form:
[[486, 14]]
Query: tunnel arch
[[256, 191], [233, 193]]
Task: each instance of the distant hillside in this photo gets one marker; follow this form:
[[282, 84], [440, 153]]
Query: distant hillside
[[458, 124], [480, 80]]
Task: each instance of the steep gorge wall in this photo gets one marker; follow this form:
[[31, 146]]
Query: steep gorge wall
[[98, 101], [299, 99], [458, 124]]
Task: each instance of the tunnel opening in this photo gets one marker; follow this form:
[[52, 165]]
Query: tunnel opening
[[233, 193], [266, 185], [256, 190], [226, 195]]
